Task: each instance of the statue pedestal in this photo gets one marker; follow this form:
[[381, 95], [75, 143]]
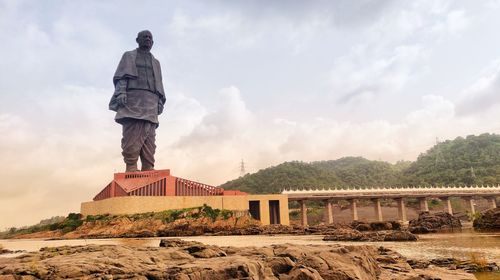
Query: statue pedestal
[[157, 183]]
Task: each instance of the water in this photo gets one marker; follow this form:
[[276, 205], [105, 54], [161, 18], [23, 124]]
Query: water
[[463, 245]]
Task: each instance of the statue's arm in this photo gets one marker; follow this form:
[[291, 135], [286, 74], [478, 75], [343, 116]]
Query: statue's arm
[[119, 98], [121, 92]]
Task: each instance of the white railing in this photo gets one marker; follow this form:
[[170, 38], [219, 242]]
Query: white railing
[[391, 190]]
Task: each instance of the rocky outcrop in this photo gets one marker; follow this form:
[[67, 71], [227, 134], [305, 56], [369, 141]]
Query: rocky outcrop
[[488, 220], [427, 222], [452, 263], [346, 234], [374, 226], [181, 260]]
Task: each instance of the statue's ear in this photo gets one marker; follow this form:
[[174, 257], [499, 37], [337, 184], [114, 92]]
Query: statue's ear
[[137, 40]]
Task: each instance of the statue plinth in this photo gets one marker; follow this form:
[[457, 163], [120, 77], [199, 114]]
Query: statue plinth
[[158, 183]]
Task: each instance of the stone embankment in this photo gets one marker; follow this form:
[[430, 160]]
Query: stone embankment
[[429, 223], [488, 220], [180, 260]]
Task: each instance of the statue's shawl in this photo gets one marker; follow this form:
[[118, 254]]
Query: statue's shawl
[[127, 69]]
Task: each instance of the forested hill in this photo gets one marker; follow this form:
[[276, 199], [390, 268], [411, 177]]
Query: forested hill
[[470, 160]]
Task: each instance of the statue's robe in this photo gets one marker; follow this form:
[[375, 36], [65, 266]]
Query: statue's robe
[[141, 104]]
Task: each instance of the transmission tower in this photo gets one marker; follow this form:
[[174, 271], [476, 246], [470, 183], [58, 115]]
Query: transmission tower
[[242, 168], [472, 173]]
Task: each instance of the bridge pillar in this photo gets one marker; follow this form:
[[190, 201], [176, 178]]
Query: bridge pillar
[[424, 206], [492, 201], [378, 210], [354, 209], [303, 212], [401, 209], [447, 205], [470, 203], [329, 212]]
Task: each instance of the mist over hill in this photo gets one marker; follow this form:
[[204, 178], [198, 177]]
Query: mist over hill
[[462, 161]]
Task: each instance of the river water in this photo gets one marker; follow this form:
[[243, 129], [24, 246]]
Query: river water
[[462, 245]]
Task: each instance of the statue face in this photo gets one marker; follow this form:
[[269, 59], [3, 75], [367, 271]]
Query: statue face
[[145, 40]]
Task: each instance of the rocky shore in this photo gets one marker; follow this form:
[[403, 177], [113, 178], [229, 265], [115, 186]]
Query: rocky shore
[[179, 260], [194, 223]]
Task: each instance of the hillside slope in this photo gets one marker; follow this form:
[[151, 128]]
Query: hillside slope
[[470, 160]]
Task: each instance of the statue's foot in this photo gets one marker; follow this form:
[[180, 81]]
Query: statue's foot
[[147, 169], [131, 168]]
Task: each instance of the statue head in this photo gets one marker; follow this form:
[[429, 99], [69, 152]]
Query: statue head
[[145, 40]]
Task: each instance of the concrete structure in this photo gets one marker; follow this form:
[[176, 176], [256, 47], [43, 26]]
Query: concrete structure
[[397, 193], [378, 210], [158, 190], [158, 183]]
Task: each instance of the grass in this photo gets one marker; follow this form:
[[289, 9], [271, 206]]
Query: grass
[[479, 259]]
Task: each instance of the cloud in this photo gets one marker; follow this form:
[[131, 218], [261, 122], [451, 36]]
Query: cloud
[[364, 73], [483, 94]]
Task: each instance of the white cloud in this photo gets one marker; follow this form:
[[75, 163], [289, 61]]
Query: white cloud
[[483, 95], [365, 73]]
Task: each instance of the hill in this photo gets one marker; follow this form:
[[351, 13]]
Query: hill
[[462, 161], [349, 171], [470, 160]]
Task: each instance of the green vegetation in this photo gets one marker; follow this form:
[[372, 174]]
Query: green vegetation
[[168, 216], [73, 220], [70, 223], [463, 161]]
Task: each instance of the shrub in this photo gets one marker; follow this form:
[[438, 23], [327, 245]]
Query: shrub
[[479, 259]]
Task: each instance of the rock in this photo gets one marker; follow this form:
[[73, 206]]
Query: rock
[[400, 236], [488, 220], [427, 222], [187, 260], [453, 264], [381, 226], [280, 265], [361, 226], [395, 225], [302, 273], [354, 235], [176, 242], [7, 251], [205, 251]]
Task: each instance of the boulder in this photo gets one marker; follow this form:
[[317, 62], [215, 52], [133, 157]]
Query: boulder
[[488, 220], [381, 225], [427, 222]]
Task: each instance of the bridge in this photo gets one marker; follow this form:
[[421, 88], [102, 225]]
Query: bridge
[[400, 194]]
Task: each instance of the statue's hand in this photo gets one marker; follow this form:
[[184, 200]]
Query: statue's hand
[[121, 100], [160, 108]]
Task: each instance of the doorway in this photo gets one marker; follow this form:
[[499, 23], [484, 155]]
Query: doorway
[[274, 212], [254, 209]]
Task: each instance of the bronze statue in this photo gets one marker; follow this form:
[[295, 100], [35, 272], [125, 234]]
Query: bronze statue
[[138, 100]]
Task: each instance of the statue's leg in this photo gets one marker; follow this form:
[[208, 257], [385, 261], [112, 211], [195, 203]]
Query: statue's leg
[[132, 141], [149, 148]]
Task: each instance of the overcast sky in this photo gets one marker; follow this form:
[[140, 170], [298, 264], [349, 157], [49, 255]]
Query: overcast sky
[[263, 81]]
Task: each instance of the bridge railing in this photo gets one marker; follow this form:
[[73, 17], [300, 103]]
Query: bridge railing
[[393, 189]]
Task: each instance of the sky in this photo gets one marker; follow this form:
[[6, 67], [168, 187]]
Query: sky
[[262, 81]]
